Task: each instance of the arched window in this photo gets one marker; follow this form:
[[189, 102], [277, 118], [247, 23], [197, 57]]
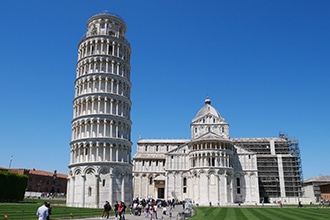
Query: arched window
[[150, 181]]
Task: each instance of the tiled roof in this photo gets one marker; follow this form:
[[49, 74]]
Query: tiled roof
[[37, 172], [46, 173]]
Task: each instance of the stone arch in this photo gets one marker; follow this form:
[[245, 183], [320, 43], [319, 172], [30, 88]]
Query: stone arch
[[77, 171], [103, 170], [89, 170]]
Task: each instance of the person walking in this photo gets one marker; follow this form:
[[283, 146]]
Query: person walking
[[154, 210], [106, 210], [116, 209], [123, 210], [120, 210], [43, 212]]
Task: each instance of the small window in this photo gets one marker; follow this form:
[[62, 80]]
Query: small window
[[145, 148], [195, 130], [238, 182], [185, 181], [89, 191], [150, 181], [167, 148], [222, 129], [157, 148], [238, 190], [103, 182], [184, 189], [111, 33]]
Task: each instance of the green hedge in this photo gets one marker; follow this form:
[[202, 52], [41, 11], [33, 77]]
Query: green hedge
[[12, 186]]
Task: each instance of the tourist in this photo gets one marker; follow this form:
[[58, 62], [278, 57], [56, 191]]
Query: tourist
[[116, 209], [170, 210], [154, 210], [123, 210], [280, 204], [106, 210], [43, 212]]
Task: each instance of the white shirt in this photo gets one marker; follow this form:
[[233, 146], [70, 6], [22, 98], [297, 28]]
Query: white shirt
[[42, 212]]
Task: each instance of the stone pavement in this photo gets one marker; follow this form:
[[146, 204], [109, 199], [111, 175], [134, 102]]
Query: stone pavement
[[175, 215]]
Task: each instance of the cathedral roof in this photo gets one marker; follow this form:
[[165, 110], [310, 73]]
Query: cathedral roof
[[207, 109], [149, 156]]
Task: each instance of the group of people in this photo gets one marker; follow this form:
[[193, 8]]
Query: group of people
[[44, 211], [149, 207], [119, 209]]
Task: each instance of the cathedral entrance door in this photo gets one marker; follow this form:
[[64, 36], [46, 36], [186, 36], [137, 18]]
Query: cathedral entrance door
[[160, 193]]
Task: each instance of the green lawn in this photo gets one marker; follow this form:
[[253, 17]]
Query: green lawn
[[28, 209], [261, 213]]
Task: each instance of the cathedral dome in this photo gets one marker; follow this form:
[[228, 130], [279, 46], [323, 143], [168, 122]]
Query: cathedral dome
[[207, 109]]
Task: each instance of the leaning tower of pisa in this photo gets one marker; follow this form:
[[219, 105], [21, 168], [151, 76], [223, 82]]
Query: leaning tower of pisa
[[100, 166]]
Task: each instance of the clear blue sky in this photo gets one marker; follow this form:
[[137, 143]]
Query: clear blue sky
[[264, 64]]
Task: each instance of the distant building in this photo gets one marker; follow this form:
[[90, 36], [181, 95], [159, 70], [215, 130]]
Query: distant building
[[325, 192], [213, 168], [43, 182], [312, 188]]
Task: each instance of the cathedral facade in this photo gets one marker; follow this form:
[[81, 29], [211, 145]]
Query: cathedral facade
[[213, 169]]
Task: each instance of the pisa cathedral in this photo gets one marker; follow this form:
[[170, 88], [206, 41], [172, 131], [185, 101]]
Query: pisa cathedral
[[210, 168]]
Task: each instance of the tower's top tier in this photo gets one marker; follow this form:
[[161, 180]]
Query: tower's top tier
[[106, 24]]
